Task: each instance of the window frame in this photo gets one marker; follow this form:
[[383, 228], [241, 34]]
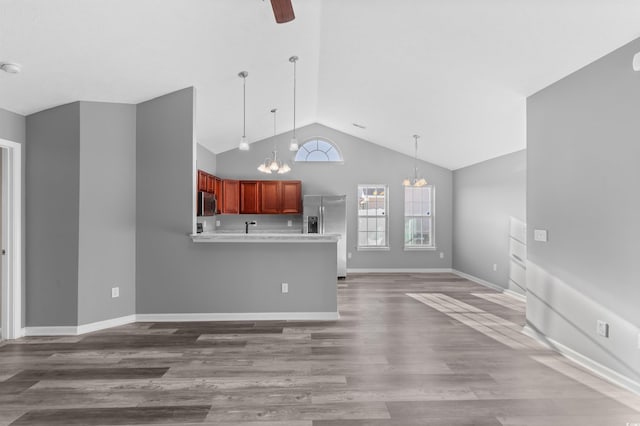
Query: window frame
[[322, 138], [432, 216], [386, 246]]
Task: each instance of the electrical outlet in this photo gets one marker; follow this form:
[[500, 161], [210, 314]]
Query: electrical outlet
[[217, 223], [289, 222], [115, 292], [602, 329], [540, 235], [495, 267], [441, 255], [285, 288]]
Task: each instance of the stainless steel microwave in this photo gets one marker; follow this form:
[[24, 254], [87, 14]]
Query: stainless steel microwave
[[207, 203]]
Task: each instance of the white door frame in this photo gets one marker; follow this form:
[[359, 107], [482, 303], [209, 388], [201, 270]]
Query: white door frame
[[12, 240]]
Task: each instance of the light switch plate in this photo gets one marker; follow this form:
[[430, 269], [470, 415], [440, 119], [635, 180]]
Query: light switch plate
[[115, 292], [285, 288], [540, 235]]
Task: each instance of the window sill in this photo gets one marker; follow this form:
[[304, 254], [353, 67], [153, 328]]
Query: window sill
[[420, 248], [373, 249]]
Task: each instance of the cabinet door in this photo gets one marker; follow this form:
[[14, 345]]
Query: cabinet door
[[211, 183], [248, 196], [291, 197], [202, 180], [231, 192], [219, 194], [270, 197]]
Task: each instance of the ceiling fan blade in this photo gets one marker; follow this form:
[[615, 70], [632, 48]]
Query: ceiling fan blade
[[283, 11]]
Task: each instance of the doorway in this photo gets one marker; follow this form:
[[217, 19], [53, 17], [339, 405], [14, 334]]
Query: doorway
[[11, 239]]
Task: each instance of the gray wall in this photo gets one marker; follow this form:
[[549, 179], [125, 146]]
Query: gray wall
[[52, 201], [175, 275], [205, 159], [107, 211], [364, 163], [12, 126], [582, 186], [485, 196]]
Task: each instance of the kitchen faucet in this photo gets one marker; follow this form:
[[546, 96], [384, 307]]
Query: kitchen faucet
[[246, 226]]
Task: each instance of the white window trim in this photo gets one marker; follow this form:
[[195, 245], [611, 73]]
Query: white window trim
[[386, 247], [335, 146], [433, 245]]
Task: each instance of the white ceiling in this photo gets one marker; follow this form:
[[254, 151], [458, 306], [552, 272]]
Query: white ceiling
[[457, 72]]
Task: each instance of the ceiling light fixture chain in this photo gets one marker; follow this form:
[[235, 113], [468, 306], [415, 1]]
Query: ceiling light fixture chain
[[244, 144], [415, 181], [293, 144]]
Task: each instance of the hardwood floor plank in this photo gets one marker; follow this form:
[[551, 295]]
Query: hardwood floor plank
[[114, 416], [450, 355]]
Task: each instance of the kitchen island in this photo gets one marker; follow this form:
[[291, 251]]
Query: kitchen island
[[247, 272]]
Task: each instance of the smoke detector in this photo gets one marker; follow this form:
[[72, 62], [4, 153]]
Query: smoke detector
[[10, 67]]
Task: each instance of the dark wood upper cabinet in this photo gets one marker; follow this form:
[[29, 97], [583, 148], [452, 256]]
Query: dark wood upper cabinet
[[253, 196], [270, 197], [231, 196], [249, 197], [219, 194], [291, 197], [280, 197], [211, 183], [202, 180]]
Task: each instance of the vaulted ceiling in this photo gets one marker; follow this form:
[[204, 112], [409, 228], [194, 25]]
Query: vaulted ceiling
[[457, 72]]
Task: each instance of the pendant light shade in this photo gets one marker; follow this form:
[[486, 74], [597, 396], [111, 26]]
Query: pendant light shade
[[273, 164], [415, 181], [293, 144], [244, 143]]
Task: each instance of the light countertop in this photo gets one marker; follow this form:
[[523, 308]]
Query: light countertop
[[262, 237]]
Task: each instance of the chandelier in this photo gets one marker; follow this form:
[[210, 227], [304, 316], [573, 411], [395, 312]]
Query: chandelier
[[273, 164], [415, 180]]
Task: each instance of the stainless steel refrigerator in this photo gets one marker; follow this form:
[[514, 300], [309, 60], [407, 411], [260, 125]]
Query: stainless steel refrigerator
[[327, 214]]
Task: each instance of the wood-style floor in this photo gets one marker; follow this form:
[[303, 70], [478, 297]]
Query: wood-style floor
[[409, 349]]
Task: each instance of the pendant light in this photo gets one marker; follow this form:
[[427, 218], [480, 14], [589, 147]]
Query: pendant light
[[272, 164], [415, 181], [244, 144], [293, 144]]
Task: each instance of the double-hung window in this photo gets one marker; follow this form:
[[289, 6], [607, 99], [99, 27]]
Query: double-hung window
[[373, 206], [418, 218]]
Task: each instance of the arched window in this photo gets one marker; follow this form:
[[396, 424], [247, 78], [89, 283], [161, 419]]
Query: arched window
[[318, 150]]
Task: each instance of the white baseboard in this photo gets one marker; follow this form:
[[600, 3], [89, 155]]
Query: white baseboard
[[233, 316], [77, 330], [51, 331], [396, 270], [490, 285], [591, 365], [101, 325]]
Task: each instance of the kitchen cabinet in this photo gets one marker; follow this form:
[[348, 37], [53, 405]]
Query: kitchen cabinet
[[249, 197], [270, 197], [291, 197], [211, 183], [219, 194], [202, 180], [231, 196], [280, 197]]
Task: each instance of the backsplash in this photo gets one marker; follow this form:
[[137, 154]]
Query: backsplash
[[264, 223]]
